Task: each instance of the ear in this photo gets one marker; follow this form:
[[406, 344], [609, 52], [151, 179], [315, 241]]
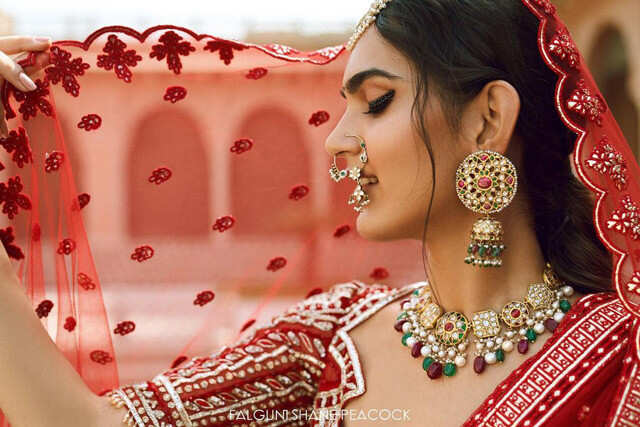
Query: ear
[[491, 117]]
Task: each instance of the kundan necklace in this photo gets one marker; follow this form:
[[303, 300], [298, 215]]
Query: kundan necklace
[[443, 339]]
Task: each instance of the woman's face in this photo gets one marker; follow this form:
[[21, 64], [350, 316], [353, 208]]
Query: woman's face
[[396, 154]]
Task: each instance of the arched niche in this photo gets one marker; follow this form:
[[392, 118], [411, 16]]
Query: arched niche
[[179, 206]]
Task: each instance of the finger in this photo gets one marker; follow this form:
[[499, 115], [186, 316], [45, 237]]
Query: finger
[[15, 74], [16, 44], [42, 59], [4, 128]]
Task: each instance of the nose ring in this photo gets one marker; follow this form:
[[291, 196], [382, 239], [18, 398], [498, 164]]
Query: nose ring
[[338, 175]]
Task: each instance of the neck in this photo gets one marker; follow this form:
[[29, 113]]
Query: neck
[[462, 287]]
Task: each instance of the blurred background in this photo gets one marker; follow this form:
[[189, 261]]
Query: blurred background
[[607, 33]]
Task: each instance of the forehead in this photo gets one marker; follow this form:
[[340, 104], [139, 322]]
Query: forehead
[[372, 50]]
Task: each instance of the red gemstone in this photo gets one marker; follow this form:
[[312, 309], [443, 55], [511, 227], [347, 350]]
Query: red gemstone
[[515, 313], [550, 324], [523, 346], [479, 364], [415, 350], [461, 184], [475, 249], [448, 326], [484, 157], [398, 325], [509, 180], [487, 206], [484, 182], [435, 370]]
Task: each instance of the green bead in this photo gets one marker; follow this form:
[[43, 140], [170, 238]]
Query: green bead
[[496, 251], [500, 355], [467, 260], [470, 249], [565, 305], [482, 250], [450, 369], [531, 335], [416, 292], [427, 362], [404, 338], [402, 315]]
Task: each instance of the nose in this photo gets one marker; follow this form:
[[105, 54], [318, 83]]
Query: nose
[[343, 144]]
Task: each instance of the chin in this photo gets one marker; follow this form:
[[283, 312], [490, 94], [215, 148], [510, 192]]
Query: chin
[[370, 228]]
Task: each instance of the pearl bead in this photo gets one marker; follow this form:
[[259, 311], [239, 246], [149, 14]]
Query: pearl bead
[[431, 338], [441, 354], [555, 304], [539, 328], [549, 313], [507, 346], [425, 350], [490, 358], [406, 327], [510, 334], [406, 306], [523, 331], [558, 316], [413, 317], [490, 344], [479, 345], [530, 322], [423, 333], [411, 341], [462, 346], [539, 315], [499, 340], [435, 348], [460, 361], [567, 291], [451, 353], [459, 324]]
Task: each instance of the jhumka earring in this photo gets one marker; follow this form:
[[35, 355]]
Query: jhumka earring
[[359, 197], [486, 183]]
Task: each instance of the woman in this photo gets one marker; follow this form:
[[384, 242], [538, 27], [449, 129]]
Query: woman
[[439, 104]]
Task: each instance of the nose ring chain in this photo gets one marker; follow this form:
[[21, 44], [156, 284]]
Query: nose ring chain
[[358, 197]]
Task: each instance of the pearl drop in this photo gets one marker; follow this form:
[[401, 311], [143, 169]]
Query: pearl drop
[[462, 346], [425, 350], [406, 327], [431, 338], [530, 322], [441, 354], [499, 340], [490, 358], [423, 333], [539, 328], [479, 345], [549, 312], [507, 346], [490, 344], [558, 316], [539, 315], [510, 334], [523, 331], [410, 341], [567, 291], [460, 361], [435, 348], [555, 304]]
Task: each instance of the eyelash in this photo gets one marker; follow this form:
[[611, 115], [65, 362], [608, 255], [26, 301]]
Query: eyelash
[[378, 105]]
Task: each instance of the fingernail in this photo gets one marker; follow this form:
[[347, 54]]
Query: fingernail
[[26, 81], [42, 39]]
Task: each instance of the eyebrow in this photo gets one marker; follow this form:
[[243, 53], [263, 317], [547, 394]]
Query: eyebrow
[[354, 83]]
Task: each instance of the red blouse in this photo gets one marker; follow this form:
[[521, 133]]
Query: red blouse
[[302, 367]]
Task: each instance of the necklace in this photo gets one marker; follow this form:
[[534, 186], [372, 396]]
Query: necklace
[[443, 339]]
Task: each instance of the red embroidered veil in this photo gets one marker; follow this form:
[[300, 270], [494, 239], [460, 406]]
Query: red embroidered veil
[[161, 189]]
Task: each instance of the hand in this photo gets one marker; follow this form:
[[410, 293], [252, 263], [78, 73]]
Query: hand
[[13, 49]]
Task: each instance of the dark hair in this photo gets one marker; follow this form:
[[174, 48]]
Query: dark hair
[[460, 46]]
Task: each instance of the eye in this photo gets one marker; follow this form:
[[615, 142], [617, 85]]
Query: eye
[[378, 105]]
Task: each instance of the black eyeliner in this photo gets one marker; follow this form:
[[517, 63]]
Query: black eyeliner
[[378, 105]]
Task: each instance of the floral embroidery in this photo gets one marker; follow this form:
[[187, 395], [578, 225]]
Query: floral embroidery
[[171, 47], [142, 253], [65, 70], [633, 285], [117, 58], [587, 103], [11, 196], [225, 48], [224, 223], [7, 237], [329, 52], [342, 230], [160, 175], [607, 161], [125, 328], [257, 73], [90, 122], [242, 145], [277, 263], [299, 192], [83, 199], [626, 219], [379, 273], [175, 94], [53, 161], [32, 101], [18, 144], [44, 308], [101, 357], [319, 118], [203, 298], [70, 323], [564, 48], [85, 282], [280, 49], [66, 246]]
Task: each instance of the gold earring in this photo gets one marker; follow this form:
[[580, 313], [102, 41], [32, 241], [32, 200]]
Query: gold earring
[[486, 183]]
